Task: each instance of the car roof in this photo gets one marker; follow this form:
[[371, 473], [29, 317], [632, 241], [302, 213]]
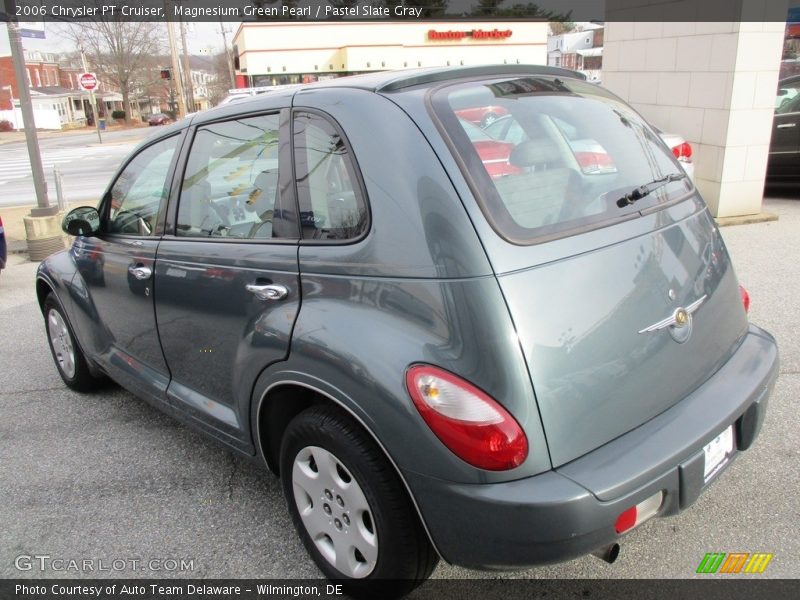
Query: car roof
[[390, 81], [383, 82]]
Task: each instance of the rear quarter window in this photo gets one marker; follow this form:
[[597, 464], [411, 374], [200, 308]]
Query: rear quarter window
[[332, 204], [558, 157]]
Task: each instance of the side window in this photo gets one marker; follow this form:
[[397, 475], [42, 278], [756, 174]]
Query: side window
[[140, 189], [331, 204], [230, 186], [788, 99]]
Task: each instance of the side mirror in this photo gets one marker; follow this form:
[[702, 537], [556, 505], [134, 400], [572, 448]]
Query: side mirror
[[84, 220]]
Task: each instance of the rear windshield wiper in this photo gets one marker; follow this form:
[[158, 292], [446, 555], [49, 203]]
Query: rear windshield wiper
[[643, 190]]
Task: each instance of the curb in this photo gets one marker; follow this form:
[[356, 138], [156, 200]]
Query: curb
[[762, 217], [17, 247]]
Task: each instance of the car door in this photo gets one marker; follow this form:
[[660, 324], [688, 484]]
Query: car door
[[784, 150], [227, 283], [117, 264]]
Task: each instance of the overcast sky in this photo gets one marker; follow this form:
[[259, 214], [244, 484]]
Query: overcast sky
[[201, 38]]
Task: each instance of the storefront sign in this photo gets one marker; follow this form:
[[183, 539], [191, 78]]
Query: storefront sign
[[475, 34]]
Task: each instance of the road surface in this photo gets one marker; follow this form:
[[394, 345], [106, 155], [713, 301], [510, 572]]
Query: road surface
[[86, 165]]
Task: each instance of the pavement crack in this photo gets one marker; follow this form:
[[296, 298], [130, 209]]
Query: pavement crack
[[231, 475], [21, 392]]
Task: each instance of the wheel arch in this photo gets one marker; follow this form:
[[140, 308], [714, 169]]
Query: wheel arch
[[282, 401], [45, 286], [43, 289]]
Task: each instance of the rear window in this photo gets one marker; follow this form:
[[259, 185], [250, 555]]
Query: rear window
[[550, 157]]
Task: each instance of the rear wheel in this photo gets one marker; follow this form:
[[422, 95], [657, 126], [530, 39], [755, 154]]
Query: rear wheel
[[68, 356], [350, 508]]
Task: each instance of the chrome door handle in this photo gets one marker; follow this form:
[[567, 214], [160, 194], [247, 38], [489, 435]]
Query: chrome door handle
[[268, 292], [786, 125], [140, 271]]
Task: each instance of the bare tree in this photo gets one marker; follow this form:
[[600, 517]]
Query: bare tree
[[220, 84], [118, 51], [559, 27]]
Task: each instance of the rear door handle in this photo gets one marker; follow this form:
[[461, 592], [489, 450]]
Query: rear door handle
[[272, 291], [140, 271]]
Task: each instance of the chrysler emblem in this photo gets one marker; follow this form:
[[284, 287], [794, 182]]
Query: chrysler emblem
[[679, 322]]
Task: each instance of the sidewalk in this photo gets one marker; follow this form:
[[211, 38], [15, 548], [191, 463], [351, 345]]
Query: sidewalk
[[14, 225], [9, 137]]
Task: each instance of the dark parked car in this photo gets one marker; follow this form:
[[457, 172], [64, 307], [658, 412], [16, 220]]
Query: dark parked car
[[783, 166], [159, 119], [3, 249], [500, 371]]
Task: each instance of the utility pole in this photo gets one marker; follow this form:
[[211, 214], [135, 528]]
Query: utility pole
[[43, 208], [228, 58], [95, 111], [176, 70], [187, 71]]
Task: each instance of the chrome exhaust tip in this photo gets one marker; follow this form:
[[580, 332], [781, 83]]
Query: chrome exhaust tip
[[608, 553]]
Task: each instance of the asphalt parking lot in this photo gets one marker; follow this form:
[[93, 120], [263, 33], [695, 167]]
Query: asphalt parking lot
[[107, 477]]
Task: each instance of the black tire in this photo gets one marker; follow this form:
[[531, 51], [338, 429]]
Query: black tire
[[78, 377], [405, 557]]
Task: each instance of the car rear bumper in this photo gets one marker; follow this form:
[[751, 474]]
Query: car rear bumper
[[571, 511]]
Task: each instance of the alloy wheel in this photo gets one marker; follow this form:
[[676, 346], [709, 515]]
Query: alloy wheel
[[61, 340]]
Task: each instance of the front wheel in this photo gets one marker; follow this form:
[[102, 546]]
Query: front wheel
[[67, 355], [350, 508]]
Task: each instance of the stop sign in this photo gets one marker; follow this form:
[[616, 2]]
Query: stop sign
[[88, 81]]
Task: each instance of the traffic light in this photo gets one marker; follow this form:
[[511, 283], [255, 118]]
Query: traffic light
[[166, 74]]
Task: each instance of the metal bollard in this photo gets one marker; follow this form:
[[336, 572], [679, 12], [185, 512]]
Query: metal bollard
[[62, 202]]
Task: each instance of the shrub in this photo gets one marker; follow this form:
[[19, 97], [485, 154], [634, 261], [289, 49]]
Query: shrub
[[6, 126], [118, 114]]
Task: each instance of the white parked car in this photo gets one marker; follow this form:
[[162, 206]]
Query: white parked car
[[590, 155], [680, 148]]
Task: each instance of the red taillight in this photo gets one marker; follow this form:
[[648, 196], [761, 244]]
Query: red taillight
[[466, 420], [745, 298], [683, 152], [636, 515], [594, 160]]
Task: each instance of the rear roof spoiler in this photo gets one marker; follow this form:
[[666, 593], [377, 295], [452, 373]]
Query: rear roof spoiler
[[403, 81]]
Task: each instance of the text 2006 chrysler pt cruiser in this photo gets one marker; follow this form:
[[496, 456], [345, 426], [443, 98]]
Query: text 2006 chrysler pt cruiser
[[528, 334]]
